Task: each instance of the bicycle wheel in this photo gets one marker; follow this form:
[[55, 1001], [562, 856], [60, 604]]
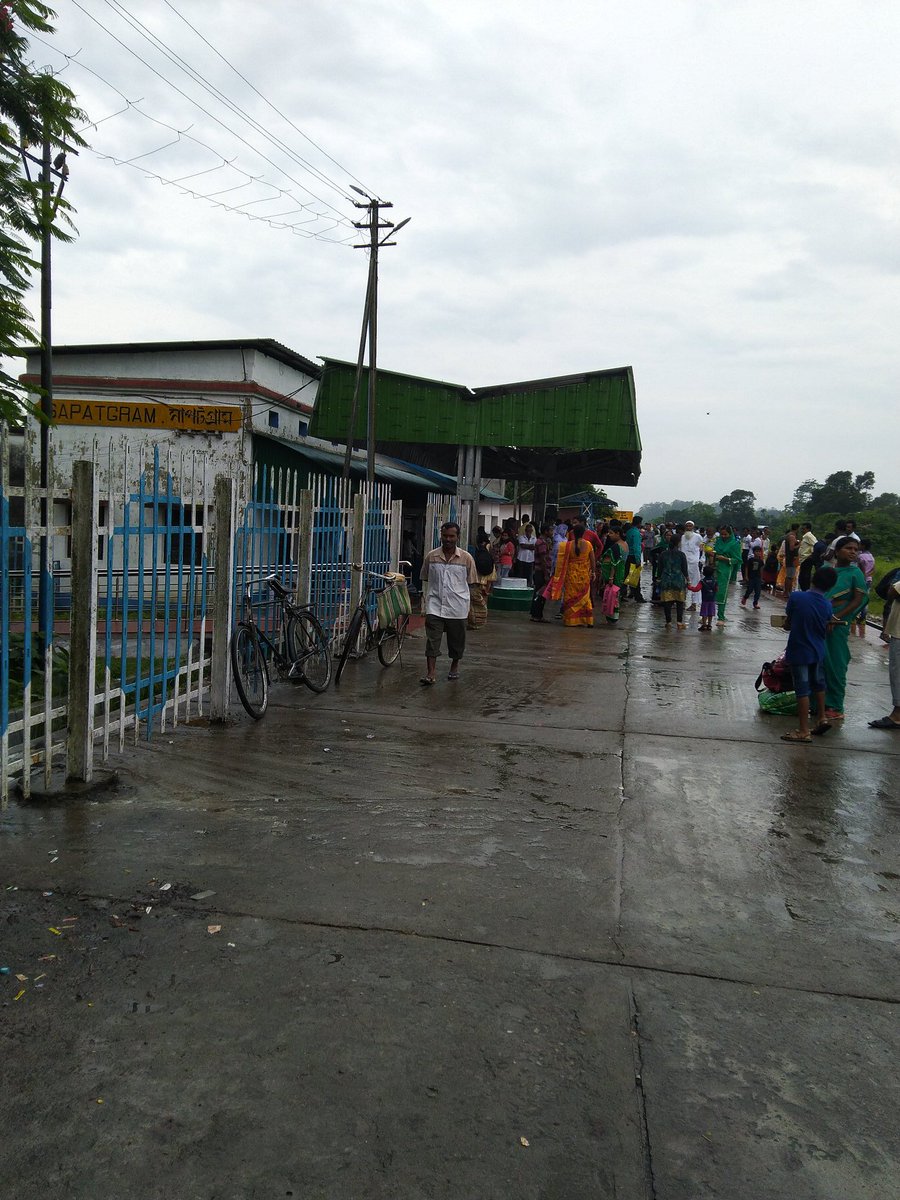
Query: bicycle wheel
[[353, 643], [391, 642], [307, 646], [250, 676]]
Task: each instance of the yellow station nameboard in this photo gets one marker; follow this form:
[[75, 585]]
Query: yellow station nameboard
[[621, 515], [149, 414]]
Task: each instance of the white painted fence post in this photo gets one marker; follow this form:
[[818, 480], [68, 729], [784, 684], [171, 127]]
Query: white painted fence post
[[304, 546], [396, 531], [222, 606], [83, 633], [357, 545]]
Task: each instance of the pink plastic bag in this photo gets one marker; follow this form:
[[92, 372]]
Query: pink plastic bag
[[610, 600]]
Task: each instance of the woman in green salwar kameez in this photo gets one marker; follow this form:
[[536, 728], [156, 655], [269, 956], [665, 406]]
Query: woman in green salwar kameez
[[848, 597], [726, 556]]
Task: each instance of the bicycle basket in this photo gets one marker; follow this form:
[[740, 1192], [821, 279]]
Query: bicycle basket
[[393, 603]]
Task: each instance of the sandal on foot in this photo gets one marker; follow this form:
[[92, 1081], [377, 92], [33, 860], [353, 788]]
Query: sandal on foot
[[884, 723], [795, 736], [426, 682], [453, 675], [822, 728], [831, 714]]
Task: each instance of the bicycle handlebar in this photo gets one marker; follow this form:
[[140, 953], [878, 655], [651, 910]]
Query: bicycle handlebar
[[394, 576]]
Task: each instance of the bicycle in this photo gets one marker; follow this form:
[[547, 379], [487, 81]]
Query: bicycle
[[300, 651], [362, 635]]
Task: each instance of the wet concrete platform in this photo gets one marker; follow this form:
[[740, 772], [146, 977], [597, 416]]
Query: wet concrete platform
[[577, 925]]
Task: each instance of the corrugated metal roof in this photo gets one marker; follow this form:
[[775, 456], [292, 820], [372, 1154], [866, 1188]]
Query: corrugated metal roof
[[386, 468], [578, 426], [569, 412]]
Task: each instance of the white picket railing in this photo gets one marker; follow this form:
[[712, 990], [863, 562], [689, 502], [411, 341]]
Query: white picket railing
[[134, 607]]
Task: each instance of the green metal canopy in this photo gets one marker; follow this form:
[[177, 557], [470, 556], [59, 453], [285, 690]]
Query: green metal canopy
[[580, 428]]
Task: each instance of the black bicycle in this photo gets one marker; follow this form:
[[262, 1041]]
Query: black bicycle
[[363, 635], [299, 652]]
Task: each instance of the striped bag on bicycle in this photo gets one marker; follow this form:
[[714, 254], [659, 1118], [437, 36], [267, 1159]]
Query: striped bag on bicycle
[[393, 603]]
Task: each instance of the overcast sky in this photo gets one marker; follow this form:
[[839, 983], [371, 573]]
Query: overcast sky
[[709, 192]]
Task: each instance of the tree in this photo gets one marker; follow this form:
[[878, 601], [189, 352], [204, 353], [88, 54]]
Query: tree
[[888, 501], [738, 508], [841, 493], [697, 511], [804, 496], [865, 483], [34, 106]]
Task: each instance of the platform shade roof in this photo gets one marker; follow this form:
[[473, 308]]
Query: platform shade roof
[[580, 428], [279, 452]]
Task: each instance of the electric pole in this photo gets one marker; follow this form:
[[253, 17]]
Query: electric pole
[[374, 225], [47, 203]]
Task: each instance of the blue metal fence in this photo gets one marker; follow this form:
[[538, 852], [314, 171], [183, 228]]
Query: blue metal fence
[[269, 540], [157, 584], [266, 544], [331, 551], [32, 727]]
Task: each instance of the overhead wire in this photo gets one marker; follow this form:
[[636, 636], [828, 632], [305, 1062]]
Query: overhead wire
[[341, 218], [316, 235], [184, 134], [265, 99], [139, 27]]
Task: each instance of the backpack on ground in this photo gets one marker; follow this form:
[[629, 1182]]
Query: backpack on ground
[[775, 676]]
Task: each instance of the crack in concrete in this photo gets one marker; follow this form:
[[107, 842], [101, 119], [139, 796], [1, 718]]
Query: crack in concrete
[[638, 1059], [482, 943], [620, 728], [620, 838]]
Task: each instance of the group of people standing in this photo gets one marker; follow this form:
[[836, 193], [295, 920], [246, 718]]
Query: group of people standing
[[579, 567]]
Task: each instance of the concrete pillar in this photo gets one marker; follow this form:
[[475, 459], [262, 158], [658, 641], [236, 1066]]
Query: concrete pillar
[[396, 531], [429, 524], [304, 547], [357, 546], [83, 636], [222, 598]]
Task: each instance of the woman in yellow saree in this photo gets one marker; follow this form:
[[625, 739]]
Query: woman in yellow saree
[[572, 580]]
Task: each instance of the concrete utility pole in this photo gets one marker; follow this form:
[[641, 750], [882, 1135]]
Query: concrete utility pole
[[46, 207], [369, 332]]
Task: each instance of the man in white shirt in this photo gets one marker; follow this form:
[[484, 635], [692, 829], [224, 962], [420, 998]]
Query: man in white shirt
[[842, 529], [448, 574], [692, 549], [805, 558]]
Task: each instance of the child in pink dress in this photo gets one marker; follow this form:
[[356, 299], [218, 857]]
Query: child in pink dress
[[866, 562], [708, 587]]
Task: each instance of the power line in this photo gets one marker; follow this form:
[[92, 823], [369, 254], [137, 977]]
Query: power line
[[148, 35], [234, 133], [265, 99], [183, 134], [272, 222]]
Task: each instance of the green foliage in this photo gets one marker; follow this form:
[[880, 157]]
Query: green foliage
[[841, 492], [877, 519], [560, 489], [692, 510], [738, 508], [33, 106]]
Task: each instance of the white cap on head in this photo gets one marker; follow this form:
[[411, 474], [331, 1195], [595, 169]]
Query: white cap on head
[[689, 524]]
